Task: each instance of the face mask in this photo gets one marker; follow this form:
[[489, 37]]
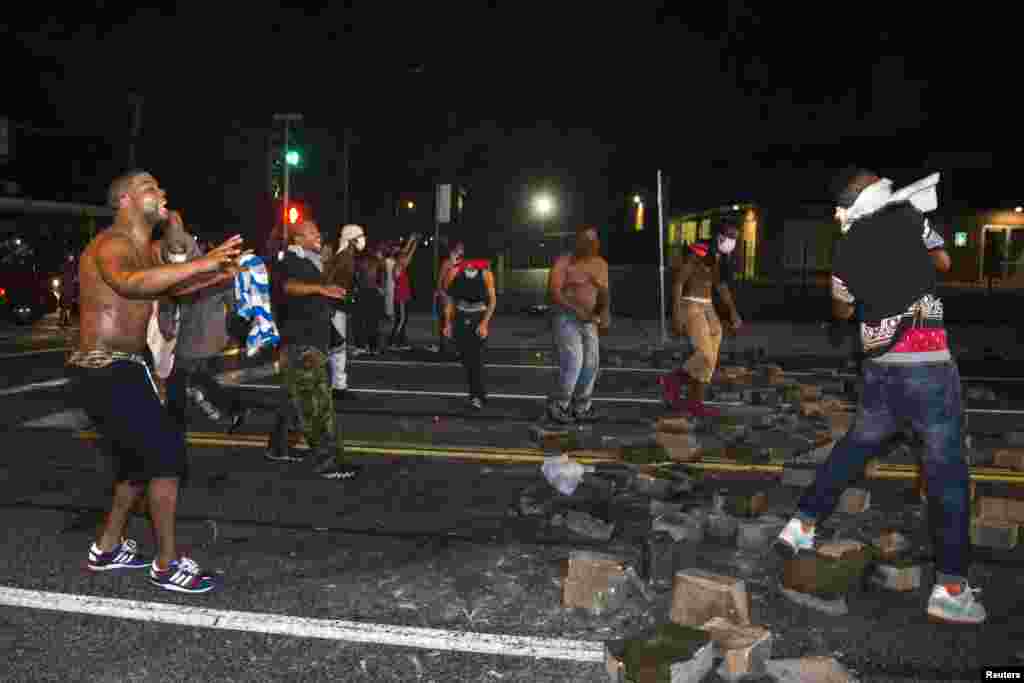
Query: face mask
[[360, 243], [726, 244]]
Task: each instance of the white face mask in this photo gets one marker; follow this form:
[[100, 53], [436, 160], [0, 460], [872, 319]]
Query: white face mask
[[726, 244], [360, 243]]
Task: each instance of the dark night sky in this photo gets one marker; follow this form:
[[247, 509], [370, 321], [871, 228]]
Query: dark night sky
[[724, 100]]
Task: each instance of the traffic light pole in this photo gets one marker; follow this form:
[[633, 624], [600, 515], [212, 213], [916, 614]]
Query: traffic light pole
[[287, 118]]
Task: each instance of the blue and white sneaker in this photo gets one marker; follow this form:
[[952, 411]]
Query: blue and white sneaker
[[955, 605], [793, 539], [182, 576], [125, 555]]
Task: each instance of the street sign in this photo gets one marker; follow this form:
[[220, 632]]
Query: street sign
[[444, 203]]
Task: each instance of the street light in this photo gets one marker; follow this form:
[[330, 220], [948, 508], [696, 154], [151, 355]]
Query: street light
[[410, 205], [543, 205]]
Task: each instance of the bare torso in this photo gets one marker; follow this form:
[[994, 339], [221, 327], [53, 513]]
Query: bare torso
[[109, 321], [701, 278]]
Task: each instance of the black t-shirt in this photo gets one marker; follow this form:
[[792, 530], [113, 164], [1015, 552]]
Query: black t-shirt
[[306, 318]]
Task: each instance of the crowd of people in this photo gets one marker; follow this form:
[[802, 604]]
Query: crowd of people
[[131, 284]]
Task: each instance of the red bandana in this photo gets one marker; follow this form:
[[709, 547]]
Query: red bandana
[[479, 264]]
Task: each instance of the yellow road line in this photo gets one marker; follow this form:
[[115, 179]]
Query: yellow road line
[[526, 455]]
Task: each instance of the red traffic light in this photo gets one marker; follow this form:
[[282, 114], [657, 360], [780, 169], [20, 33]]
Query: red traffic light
[[293, 215]]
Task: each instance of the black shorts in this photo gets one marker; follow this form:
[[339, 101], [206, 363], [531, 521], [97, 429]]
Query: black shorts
[[122, 401]]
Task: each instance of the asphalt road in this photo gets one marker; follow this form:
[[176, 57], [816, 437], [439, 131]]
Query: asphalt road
[[415, 543]]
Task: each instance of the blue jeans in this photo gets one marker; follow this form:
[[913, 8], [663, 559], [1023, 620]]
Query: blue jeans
[[929, 397], [578, 349]]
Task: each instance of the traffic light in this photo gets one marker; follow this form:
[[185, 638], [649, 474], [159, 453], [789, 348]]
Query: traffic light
[[292, 157], [294, 215]]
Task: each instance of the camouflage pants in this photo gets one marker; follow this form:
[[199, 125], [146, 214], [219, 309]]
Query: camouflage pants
[[308, 385]]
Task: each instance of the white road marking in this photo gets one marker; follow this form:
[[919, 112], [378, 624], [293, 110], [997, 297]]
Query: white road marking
[[302, 627], [35, 386]]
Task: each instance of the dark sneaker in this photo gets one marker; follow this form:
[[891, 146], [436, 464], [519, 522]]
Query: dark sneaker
[[591, 414], [182, 576], [341, 472], [286, 455], [556, 413], [476, 403], [125, 555]]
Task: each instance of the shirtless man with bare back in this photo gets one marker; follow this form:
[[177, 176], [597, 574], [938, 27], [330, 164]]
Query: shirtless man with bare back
[[119, 282]]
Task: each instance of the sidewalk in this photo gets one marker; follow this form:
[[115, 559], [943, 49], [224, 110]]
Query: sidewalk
[[778, 339]]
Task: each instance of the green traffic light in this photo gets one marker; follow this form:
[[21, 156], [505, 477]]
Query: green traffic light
[[292, 157]]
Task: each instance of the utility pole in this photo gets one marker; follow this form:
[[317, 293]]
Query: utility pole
[[136, 128], [287, 119]]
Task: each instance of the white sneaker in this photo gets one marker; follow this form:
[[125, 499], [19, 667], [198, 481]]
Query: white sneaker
[[793, 538], [955, 609]]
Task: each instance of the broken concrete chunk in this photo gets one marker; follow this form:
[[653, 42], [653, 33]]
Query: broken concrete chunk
[[680, 447], [854, 501], [589, 526], [722, 526], [672, 653], [673, 424], [745, 649], [809, 392], [817, 669], [799, 477], [891, 543], [747, 506], [1012, 458], [829, 575], [995, 533], [757, 535], [898, 578], [699, 596], [585, 579], [680, 527]]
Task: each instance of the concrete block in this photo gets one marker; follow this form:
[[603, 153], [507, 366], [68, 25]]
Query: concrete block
[[758, 534], [1006, 509], [585, 578], [679, 447], [679, 654], [699, 596], [854, 501], [799, 477], [891, 543], [830, 573], [675, 424], [722, 526], [747, 505], [589, 526], [817, 669], [809, 392], [995, 533], [1011, 458], [680, 527], [897, 577], [744, 649]]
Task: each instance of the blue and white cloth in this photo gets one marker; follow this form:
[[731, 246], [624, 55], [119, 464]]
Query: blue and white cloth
[[252, 294]]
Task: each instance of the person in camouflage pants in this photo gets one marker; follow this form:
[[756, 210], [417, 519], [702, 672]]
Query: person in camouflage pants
[[309, 389], [305, 376]]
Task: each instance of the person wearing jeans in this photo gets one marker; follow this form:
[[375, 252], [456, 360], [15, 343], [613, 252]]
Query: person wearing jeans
[[578, 290], [908, 374]]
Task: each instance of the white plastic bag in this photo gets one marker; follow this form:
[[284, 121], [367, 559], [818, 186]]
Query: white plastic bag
[[564, 474]]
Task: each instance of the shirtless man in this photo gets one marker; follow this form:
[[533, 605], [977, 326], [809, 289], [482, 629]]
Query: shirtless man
[[119, 282], [693, 314], [578, 291]]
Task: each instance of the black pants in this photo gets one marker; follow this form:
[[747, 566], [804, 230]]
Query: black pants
[[122, 401], [371, 310], [196, 373], [398, 336], [471, 348]]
